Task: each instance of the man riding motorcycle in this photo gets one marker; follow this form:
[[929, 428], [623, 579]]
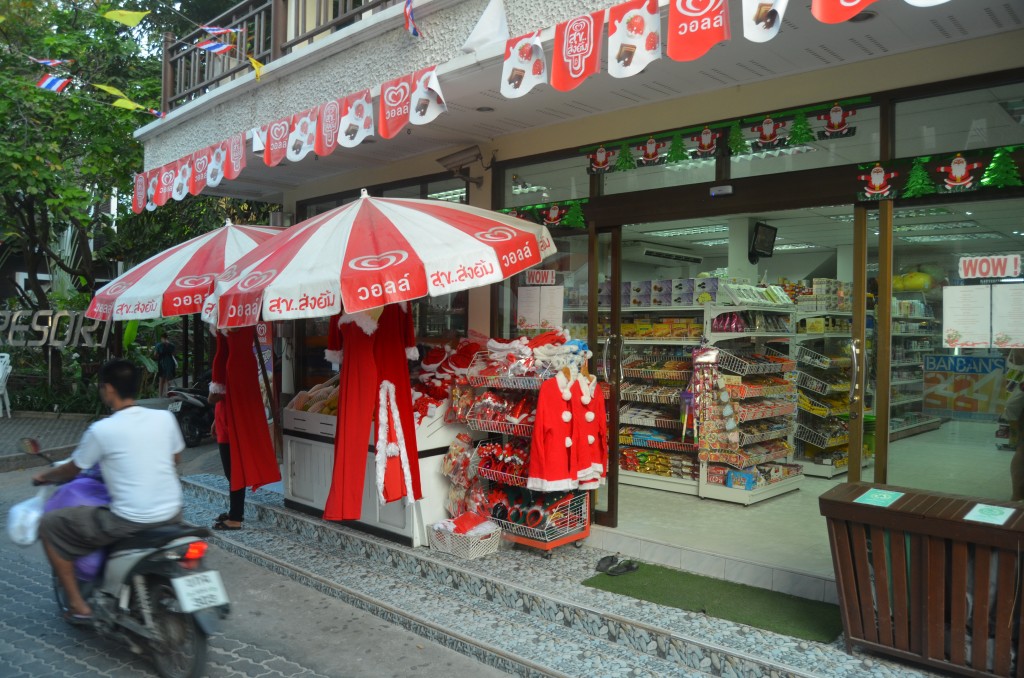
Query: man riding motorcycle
[[138, 450]]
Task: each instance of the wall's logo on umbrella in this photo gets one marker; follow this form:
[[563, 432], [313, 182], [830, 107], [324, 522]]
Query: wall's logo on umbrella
[[497, 234], [256, 279], [118, 287], [378, 262], [194, 280], [229, 273]]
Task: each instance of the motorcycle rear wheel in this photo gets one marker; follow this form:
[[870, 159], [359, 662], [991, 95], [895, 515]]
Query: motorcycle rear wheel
[[190, 430], [182, 653]]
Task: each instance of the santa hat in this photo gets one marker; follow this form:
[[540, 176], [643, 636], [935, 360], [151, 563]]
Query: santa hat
[[499, 348], [549, 337], [434, 358]]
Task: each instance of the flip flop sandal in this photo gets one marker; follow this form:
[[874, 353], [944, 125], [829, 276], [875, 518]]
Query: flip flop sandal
[[625, 567], [224, 516], [78, 619], [221, 525], [606, 563]]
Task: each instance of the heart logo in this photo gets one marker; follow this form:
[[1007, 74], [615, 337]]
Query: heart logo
[[167, 178], [497, 234], [229, 273], [201, 163], [698, 8], [194, 280], [396, 94], [378, 262], [256, 279], [279, 130], [117, 288]]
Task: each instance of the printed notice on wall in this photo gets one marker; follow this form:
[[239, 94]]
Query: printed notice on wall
[[1008, 315], [540, 307], [967, 316]]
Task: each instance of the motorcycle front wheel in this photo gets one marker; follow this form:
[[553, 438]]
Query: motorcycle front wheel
[[190, 430], [181, 650]]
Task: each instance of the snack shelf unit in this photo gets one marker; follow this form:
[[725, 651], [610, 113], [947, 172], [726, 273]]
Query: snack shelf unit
[[822, 435], [912, 337]]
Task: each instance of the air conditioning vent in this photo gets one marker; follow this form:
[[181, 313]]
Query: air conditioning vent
[[658, 254]]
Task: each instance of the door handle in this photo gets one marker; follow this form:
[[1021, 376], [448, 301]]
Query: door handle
[[604, 359], [855, 370]]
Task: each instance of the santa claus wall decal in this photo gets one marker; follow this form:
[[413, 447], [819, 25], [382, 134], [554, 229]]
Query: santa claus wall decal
[[707, 144], [878, 186], [959, 175], [835, 123], [601, 161], [768, 135]]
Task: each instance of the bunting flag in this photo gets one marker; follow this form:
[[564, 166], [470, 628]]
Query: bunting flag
[[762, 20], [356, 119], [156, 113], [577, 53], [215, 47], [492, 26], [634, 37], [426, 101], [123, 16], [302, 139], [213, 164], [256, 66], [182, 178], [394, 105], [524, 67], [217, 30], [410, 21], [328, 117], [694, 27], [51, 62], [275, 141], [110, 89], [837, 11], [128, 104], [53, 83]]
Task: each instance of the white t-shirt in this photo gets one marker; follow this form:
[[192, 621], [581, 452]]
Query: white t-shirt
[[135, 448]]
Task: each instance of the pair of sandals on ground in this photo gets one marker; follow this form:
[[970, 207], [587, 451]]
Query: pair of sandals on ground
[[611, 565], [224, 522]]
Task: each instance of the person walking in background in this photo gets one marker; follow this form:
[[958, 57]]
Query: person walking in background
[[166, 365]]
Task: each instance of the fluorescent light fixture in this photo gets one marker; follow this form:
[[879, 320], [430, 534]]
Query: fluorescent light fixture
[[454, 195], [950, 237], [693, 230], [795, 246], [712, 243], [1012, 280], [945, 226], [906, 213]]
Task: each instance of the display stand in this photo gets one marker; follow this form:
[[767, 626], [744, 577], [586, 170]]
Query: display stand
[[913, 336]]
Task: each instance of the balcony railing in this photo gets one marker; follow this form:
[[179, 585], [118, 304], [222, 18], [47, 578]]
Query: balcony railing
[[265, 30]]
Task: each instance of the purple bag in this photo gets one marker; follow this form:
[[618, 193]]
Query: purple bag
[[85, 490]]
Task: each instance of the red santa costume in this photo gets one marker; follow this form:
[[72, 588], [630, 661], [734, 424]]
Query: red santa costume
[[590, 433], [552, 467], [253, 461], [373, 386]]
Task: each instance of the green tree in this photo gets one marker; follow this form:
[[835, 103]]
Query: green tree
[[919, 183], [625, 160], [1002, 171], [738, 145], [574, 217], [800, 131], [677, 150]]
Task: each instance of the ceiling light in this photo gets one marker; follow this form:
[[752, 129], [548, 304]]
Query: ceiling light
[[795, 246], [1012, 280], [712, 243], [906, 213], [454, 195], [950, 237], [945, 226], [694, 230]]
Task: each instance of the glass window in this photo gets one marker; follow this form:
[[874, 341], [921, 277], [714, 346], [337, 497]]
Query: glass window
[[452, 190], [413, 191], [962, 121], [693, 171], [545, 182]]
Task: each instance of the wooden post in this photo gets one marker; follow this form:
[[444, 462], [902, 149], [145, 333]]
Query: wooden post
[[860, 257], [167, 84], [883, 322], [278, 28]]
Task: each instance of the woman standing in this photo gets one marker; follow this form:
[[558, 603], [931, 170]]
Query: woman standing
[[166, 366]]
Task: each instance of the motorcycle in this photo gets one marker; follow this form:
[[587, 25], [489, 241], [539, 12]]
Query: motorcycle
[[190, 406], [151, 591]]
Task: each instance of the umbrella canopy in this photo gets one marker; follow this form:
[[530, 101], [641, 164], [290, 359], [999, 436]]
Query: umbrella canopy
[[178, 280], [372, 252]]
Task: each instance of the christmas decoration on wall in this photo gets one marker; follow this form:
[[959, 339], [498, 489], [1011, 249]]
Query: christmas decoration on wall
[[800, 131], [837, 11], [553, 214], [738, 145], [601, 161], [696, 27], [634, 37], [959, 175], [919, 181], [524, 67], [677, 150], [624, 160], [650, 153], [768, 136], [1002, 171], [835, 123], [573, 217], [878, 186], [707, 143], [577, 54], [762, 20]]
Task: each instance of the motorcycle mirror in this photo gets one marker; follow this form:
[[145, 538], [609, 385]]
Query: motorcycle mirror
[[31, 446]]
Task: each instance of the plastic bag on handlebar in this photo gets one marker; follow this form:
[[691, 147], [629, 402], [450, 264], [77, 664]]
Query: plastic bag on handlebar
[[23, 519]]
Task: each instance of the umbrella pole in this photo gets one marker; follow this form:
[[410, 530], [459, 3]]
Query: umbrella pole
[[270, 395]]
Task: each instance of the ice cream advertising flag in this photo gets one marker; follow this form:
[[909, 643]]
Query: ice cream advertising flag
[[577, 53], [235, 154], [182, 178], [302, 139], [394, 105], [426, 101], [695, 26], [328, 120], [525, 66], [634, 37], [164, 178], [276, 141], [200, 165], [837, 11], [356, 118], [139, 194], [762, 19], [214, 164]]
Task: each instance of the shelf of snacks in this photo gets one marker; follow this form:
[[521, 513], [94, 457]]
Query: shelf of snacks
[[825, 406], [748, 362], [824, 383], [658, 482], [668, 341], [650, 393], [656, 417], [809, 356], [657, 364], [751, 485], [760, 386], [653, 438], [761, 431], [750, 455], [824, 438], [658, 469], [764, 408]]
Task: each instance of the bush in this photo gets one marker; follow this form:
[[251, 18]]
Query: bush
[[32, 393]]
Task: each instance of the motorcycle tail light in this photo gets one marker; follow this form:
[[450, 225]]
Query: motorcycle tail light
[[195, 551]]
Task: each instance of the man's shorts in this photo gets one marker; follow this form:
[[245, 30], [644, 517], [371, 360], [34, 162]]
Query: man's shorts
[[80, 530]]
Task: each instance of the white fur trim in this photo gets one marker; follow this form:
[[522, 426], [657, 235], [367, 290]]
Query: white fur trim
[[585, 400], [332, 356], [588, 384], [385, 449], [403, 305], [412, 353], [590, 484], [365, 322], [568, 441], [564, 385], [218, 388], [589, 416], [542, 485], [567, 416], [590, 440]]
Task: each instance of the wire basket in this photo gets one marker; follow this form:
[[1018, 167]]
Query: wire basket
[[661, 396], [464, 545], [751, 438], [564, 518], [816, 408], [501, 477], [812, 383], [504, 427], [806, 355], [779, 409], [626, 417], [668, 445], [819, 439], [743, 391], [481, 363], [744, 363], [643, 373]]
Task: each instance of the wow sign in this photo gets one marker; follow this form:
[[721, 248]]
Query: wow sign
[[996, 266]]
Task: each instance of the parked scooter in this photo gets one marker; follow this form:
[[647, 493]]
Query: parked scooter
[[190, 406], [150, 591]]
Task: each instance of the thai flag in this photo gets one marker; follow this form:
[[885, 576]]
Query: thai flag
[[153, 111], [217, 30], [53, 83], [410, 21], [51, 62], [215, 47]]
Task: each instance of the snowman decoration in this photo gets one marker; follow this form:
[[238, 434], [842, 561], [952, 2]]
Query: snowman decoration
[[958, 174]]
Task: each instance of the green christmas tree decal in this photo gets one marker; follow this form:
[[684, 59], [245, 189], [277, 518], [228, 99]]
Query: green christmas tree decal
[[574, 217], [737, 144], [919, 182], [800, 131], [1002, 171], [625, 160], [677, 150]]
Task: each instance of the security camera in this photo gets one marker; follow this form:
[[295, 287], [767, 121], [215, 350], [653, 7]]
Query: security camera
[[460, 159]]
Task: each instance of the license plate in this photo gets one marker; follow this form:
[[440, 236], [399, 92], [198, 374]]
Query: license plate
[[175, 406], [199, 591]]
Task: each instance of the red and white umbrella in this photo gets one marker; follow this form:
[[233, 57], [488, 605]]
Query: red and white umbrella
[[372, 252], [178, 280]]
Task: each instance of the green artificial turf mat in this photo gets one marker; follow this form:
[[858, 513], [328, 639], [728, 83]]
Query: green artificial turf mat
[[778, 612]]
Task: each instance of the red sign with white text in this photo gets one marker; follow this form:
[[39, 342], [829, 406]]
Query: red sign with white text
[[695, 26], [394, 105], [837, 11], [275, 146], [577, 53]]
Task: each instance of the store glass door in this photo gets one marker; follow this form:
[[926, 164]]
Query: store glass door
[[605, 338]]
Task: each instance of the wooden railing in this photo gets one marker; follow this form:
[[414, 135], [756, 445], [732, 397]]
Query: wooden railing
[[264, 30]]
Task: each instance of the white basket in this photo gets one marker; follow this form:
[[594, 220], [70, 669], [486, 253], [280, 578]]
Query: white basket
[[464, 545]]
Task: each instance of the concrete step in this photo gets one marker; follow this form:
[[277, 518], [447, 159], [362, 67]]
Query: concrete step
[[529, 588]]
